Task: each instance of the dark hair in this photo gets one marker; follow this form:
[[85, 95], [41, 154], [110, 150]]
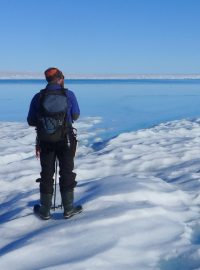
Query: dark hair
[[53, 73]]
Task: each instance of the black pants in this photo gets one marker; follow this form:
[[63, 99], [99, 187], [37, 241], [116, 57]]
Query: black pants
[[49, 153]]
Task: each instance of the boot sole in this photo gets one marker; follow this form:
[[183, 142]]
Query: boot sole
[[73, 214]]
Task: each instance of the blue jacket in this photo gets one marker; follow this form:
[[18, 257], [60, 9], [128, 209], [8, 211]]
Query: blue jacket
[[73, 108]]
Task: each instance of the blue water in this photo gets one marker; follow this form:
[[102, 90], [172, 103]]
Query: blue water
[[123, 105]]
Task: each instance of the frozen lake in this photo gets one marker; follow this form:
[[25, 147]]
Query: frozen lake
[[123, 105]]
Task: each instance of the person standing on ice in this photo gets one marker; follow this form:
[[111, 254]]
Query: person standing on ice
[[52, 111]]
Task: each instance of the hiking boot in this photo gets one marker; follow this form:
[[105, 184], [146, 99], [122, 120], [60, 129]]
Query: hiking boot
[[43, 210], [67, 201]]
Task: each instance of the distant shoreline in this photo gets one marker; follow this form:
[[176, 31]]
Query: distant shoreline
[[6, 75], [106, 78]]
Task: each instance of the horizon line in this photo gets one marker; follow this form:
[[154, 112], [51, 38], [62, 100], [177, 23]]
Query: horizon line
[[103, 76]]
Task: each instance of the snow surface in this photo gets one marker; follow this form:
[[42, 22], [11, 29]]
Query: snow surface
[[140, 194]]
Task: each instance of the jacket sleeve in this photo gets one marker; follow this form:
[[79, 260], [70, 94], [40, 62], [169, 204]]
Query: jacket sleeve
[[75, 111], [33, 111]]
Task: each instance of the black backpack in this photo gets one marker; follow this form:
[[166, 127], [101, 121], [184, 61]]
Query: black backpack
[[52, 115]]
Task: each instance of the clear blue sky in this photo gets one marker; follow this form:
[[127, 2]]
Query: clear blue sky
[[100, 36]]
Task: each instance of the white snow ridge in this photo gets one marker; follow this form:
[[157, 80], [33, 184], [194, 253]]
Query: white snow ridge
[[140, 194]]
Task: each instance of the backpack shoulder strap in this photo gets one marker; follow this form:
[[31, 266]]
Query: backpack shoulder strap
[[65, 91], [41, 98], [43, 91], [42, 94]]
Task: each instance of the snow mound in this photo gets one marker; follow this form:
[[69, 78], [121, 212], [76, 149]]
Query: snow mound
[[139, 193]]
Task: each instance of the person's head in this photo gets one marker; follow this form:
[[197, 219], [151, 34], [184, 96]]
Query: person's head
[[54, 75]]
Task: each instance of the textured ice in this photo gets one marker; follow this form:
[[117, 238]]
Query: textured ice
[[140, 194]]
